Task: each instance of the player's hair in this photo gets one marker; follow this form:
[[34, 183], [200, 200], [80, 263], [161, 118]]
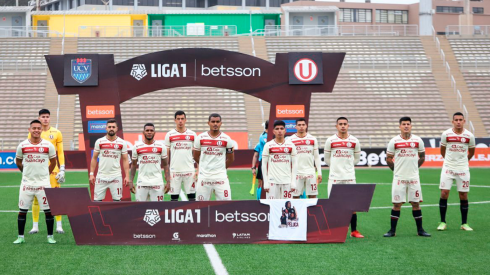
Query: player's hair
[[44, 111], [300, 119], [112, 121], [342, 118], [458, 114], [148, 124], [35, 121], [266, 124], [279, 123], [214, 115], [405, 118], [179, 113]]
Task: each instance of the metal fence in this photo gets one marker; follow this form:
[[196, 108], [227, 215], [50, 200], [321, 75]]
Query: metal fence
[[30, 31], [386, 62], [339, 30], [158, 31], [467, 30], [475, 62]]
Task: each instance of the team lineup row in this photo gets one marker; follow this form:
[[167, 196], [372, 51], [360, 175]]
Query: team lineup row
[[289, 166]]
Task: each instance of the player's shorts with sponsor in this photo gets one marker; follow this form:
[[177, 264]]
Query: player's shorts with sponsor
[[462, 178], [114, 184], [402, 188], [54, 184], [156, 192], [306, 183], [279, 191], [205, 187], [182, 178], [332, 182], [28, 193]]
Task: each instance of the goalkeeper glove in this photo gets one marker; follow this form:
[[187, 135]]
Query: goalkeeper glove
[[61, 175]]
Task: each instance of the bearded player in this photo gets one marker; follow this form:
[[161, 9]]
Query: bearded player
[[457, 148], [342, 153], [149, 156], [179, 142], [213, 151], [56, 177], [110, 149], [309, 173], [36, 159], [405, 154], [279, 164]]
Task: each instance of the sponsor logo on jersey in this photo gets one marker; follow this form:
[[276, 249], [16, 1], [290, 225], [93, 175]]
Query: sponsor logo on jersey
[[101, 111], [154, 150], [41, 150], [97, 126], [290, 111], [51, 136], [138, 71], [152, 217], [81, 69]]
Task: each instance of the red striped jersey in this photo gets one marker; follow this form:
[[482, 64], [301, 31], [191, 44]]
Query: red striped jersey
[[35, 158], [212, 163], [457, 148], [277, 158], [149, 158], [306, 147], [341, 152], [110, 156], [180, 145], [406, 152]]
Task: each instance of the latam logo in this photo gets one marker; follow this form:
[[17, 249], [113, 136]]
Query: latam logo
[[102, 111], [97, 126], [305, 68], [290, 111]]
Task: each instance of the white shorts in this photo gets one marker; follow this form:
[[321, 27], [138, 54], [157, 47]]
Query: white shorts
[[400, 188], [220, 187], [27, 194], [179, 179], [308, 183], [279, 191], [462, 179], [113, 184], [332, 182], [155, 192]]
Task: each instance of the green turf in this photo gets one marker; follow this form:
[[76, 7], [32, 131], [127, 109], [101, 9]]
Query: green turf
[[453, 251]]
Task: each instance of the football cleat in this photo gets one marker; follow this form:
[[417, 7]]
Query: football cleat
[[19, 240], [442, 226], [60, 230], [466, 227], [356, 234], [51, 240], [389, 234], [34, 230], [422, 233]]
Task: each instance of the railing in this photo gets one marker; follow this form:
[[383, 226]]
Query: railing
[[339, 30], [472, 127], [475, 62], [16, 65], [448, 70], [28, 31], [438, 44], [357, 62], [158, 31], [467, 30], [443, 56], [460, 99]]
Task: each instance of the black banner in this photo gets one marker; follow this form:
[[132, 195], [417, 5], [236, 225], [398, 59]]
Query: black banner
[[305, 68]]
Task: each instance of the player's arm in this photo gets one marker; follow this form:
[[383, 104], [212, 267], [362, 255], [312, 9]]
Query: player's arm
[[61, 158], [443, 151], [327, 152], [134, 165], [318, 162], [18, 161], [52, 157], [230, 157], [421, 153], [125, 161], [196, 154], [471, 148], [443, 144], [254, 163], [389, 161], [52, 164], [357, 153], [294, 168], [93, 165], [265, 177], [19, 157], [166, 174]]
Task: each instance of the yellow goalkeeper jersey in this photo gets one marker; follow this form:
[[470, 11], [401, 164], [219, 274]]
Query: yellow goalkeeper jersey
[[54, 136]]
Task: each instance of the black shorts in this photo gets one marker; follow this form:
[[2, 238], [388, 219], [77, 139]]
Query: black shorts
[[259, 171]]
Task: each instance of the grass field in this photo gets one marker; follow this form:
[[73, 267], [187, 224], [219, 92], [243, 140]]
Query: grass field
[[450, 252]]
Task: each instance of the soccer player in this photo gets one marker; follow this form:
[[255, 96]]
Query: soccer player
[[179, 144], [342, 153], [457, 148], [36, 159], [149, 155], [409, 153], [308, 160], [279, 164], [111, 149], [57, 177], [213, 151], [257, 171]]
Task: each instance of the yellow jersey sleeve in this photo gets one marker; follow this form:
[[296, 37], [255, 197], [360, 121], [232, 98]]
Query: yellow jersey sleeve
[[59, 148]]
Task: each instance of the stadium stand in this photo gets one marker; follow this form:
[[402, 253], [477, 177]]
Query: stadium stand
[[23, 53], [478, 82], [469, 50]]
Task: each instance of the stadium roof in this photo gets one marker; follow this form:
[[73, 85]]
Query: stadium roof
[[104, 12], [310, 8], [15, 9]]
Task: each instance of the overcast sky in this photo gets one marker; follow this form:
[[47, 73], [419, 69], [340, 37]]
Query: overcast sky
[[377, 1]]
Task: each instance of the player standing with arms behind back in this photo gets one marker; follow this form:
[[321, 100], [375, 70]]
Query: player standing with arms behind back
[[179, 144], [342, 153], [111, 150], [213, 151], [279, 164], [457, 148], [57, 177], [409, 153], [36, 159]]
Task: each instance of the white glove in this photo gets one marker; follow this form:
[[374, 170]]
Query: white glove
[[61, 175]]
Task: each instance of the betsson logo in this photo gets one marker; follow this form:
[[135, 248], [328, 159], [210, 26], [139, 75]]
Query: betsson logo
[[290, 111], [102, 111]]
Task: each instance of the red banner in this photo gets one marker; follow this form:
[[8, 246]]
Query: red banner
[[433, 158]]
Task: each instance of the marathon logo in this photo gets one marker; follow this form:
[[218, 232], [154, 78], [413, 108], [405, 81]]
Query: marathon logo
[[97, 126], [290, 126]]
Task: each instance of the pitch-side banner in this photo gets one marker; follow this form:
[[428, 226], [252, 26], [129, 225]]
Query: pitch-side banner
[[151, 223]]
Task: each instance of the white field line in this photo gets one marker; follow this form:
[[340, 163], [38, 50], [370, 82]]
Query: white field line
[[214, 258], [428, 205]]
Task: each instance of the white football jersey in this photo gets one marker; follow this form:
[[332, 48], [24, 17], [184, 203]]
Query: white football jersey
[[342, 153], [110, 156], [406, 152], [305, 148], [149, 162], [278, 160], [457, 148], [212, 163], [180, 145], [35, 158]]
